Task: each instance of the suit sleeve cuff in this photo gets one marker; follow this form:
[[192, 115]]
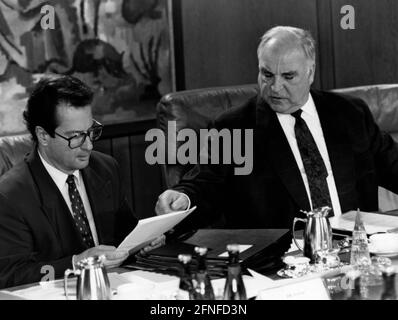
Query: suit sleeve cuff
[[189, 201], [74, 262]]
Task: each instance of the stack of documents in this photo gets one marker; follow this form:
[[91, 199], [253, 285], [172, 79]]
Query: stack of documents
[[260, 249], [374, 222]]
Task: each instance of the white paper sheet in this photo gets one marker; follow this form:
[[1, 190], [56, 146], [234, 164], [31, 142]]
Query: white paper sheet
[[293, 246], [373, 222], [312, 289], [145, 285], [266, 284], [160, 286], [149, 229], [158, 280], [54, 290]]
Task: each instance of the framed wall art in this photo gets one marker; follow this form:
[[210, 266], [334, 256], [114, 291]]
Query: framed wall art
[[122, 48]]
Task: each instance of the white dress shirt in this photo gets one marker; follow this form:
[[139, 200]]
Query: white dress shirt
[[310, 116], [59, 179]]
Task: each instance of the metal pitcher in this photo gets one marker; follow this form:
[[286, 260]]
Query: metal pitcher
[[92, 280], [317, 232]]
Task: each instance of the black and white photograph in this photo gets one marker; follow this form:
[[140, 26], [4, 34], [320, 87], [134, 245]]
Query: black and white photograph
[[161, 151]]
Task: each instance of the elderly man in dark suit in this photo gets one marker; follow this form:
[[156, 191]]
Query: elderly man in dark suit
[[311, 148], [65, 202]]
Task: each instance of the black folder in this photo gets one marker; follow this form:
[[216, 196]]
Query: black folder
[[268, 246]]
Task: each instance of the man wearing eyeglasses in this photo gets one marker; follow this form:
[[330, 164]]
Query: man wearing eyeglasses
[[65, 202]]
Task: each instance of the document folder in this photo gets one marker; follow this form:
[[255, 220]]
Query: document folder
[[267, 246]]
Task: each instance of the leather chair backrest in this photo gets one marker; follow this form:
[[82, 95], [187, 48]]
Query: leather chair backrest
[[13, 150], [382, 100], [196, 109]]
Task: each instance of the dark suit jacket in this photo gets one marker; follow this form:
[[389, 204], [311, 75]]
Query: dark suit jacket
[[36, 226], [362, 158]]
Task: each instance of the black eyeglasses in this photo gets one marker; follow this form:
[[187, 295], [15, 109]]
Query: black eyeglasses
[[77, 140]]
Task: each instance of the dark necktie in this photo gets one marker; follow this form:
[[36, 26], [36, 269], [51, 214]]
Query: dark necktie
[[314, 166], [79, 214]]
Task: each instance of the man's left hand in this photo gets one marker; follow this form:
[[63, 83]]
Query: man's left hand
[[158, 242]]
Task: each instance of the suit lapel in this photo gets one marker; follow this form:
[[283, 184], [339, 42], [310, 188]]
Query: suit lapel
[[98, 191], [338, 145], [282, 158], [54, 206]]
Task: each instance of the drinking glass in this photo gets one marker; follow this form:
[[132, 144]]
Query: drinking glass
[[327, 259]]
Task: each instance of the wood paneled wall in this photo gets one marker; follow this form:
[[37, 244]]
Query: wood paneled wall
[[368, 54], [143, 182], [218, 40]]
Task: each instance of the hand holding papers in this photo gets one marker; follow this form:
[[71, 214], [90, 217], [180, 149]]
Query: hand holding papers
[[149, 229]]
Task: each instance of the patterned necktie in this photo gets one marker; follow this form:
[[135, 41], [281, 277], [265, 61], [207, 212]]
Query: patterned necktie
[[314, 166], [79, 214]]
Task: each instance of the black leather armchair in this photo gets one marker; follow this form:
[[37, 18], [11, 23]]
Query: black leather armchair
[[13, 150], [196, 109]]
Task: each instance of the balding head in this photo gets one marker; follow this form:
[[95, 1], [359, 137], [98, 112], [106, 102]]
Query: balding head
[[285, 37], [286, 61]]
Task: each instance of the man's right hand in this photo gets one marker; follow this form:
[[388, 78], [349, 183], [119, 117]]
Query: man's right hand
[[112, 259], [170, 201]]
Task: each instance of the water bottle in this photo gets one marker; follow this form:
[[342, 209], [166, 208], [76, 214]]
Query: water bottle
[[360, 256], [185, 290], [356, 293], [389, 284], [203, 290], [234, 287]]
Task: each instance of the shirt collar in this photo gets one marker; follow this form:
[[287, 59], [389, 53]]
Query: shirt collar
[[57, 175], [309, 106]]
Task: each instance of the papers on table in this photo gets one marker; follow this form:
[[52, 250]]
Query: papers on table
[[158, 286], [54, 290], [293, 246], [252, 285], [132, 285], [149, 229], [157, 280], [139, 285], [374, 222], [308, 287], [144, 285], [312, 289], [7, 295]]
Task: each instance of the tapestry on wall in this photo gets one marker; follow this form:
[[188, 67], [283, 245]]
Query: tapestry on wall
[[121, 48]]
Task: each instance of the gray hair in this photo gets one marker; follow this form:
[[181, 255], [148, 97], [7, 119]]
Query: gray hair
[[303, 37]]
